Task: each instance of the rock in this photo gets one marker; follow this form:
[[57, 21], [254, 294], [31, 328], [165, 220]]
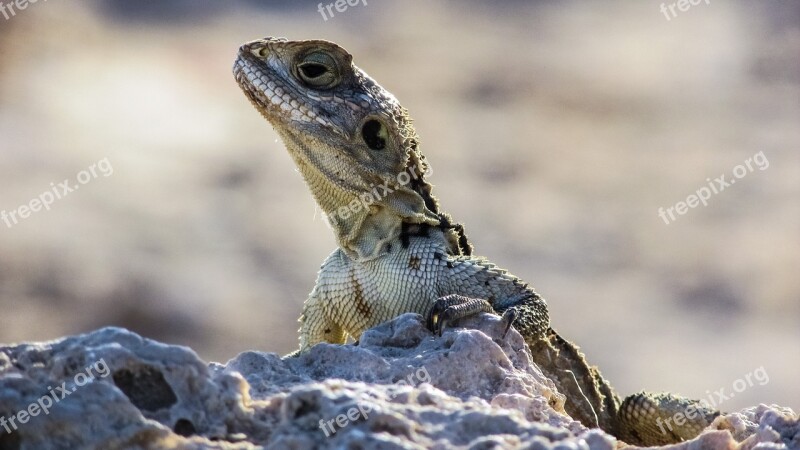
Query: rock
[[399, 387]]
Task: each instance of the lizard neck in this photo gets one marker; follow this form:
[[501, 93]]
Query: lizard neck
[[368, 219]]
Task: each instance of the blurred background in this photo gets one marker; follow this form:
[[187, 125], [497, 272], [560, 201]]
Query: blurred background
[[555, 129]]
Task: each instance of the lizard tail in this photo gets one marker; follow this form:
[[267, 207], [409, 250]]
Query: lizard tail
[[590, 397]]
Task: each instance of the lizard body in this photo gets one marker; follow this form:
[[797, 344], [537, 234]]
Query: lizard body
[[352, 296], [358, 152]]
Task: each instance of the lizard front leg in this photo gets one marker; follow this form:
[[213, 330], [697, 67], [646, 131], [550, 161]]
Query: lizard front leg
[[316, 325], [481, 281]]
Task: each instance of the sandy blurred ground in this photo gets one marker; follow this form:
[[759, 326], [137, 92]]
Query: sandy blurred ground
[[555, 129]]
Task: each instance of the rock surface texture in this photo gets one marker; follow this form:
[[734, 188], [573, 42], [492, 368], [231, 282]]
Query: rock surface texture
[[399, 387]]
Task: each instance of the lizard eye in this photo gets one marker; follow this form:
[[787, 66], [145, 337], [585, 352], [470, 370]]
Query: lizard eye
[[374, 134], [318, 70]]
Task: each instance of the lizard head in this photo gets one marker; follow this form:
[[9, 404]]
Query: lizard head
[[350, 139]]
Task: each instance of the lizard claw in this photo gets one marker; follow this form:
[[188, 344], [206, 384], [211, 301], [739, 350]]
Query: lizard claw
[[508, 317], [437, 318], [453, 307]]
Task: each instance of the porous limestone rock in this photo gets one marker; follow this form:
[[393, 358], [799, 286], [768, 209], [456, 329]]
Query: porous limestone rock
[[399, 387]]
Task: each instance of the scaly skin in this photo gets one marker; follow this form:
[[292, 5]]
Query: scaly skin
[[398, 252]]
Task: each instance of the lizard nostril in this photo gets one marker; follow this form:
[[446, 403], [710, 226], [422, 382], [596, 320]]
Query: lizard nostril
[[255, 48], [259, 51]]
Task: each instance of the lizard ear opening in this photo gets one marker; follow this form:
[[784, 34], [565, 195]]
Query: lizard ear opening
[[374, 134]]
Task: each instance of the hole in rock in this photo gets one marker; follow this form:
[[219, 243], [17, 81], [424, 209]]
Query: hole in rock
[[145, 387]]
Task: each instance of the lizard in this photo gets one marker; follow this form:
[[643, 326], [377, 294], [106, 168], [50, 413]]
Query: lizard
[[357, 150]]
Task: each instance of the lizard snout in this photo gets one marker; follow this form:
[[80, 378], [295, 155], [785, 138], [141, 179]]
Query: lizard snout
[[256, 48]]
